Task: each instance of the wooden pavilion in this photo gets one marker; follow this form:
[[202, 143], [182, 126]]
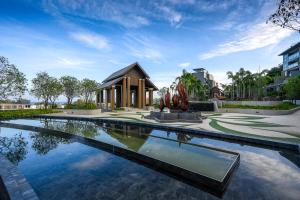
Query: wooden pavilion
[[128, 87]]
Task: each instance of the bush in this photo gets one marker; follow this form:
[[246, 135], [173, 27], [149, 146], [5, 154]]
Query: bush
[[281, 106], [82, 106], [10, 114]]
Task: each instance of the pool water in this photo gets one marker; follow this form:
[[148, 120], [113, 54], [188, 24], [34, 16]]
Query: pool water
[[58, 168], [198, 159]]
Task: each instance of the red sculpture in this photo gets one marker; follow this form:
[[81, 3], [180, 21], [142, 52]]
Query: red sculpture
[[183, 97], [179, 101], [161, 104], [175, 100], [168, 99]]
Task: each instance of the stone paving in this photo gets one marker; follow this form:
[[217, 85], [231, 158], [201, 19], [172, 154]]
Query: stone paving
[[282, 127], [15, 183]]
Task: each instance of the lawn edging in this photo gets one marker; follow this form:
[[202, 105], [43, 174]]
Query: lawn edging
[[258, 111], [82, 111]]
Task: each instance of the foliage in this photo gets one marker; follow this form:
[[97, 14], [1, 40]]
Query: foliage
[[9, 114], [287, 15], [12, 81], [162, 91], [88, 88], [71, 87], [245, 85], [81, 105], [194, 87], [14, 148], [292, 88], [282, 106], [56, 89], [46, 88]]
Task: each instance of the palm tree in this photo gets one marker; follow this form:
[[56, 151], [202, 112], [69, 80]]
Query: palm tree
[[249, 81], [194, 87], [242, 81], [231, 76]]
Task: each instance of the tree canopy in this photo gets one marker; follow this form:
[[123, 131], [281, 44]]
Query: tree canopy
[[12, 81], [292, 88], [46, 88], [71, 86], [287, 15], [88, 87]]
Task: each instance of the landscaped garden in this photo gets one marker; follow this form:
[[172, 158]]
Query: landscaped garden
[[9, 114], [281, 106]]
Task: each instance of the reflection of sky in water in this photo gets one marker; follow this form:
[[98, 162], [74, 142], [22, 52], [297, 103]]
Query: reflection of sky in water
[[200, 160], [262, 174]]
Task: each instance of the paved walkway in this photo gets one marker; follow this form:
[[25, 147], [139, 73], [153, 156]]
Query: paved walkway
[[283, 127]]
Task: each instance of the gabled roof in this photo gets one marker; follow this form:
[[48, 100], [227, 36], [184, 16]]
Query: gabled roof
[[111, 82], [297, 45], [123, 71]]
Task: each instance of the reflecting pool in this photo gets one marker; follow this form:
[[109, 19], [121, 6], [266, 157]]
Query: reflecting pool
[[57, 164]]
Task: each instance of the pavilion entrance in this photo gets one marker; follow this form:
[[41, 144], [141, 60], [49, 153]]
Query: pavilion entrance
[[128, 87]]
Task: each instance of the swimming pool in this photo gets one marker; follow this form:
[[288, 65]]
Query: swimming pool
[[177, 148]]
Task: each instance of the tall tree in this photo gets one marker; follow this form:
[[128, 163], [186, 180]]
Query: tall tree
[[71, 87], [12, 81], [88, 87], [287, 15], [56, 89], [45, 88], [230, 75]]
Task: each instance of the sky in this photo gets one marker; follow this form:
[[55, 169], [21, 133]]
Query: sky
[[93, 38]]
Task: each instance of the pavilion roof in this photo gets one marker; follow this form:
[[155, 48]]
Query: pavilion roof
[[124, 70]]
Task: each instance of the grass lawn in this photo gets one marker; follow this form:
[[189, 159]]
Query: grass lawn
[[10, 114], [282, 106]]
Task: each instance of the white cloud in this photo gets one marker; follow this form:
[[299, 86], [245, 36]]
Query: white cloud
[[90, 39], [184, 65], [143, 47], [173, 16], [73, 62], [254, 37]]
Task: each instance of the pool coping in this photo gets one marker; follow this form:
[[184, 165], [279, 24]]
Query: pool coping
[[224, 136], [13, 184], [208, 184]]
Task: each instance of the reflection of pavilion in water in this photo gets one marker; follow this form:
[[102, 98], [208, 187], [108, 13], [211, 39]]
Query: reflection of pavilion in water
[[291, 157], [133, 137]]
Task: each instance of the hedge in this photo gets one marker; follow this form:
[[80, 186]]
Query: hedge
[[10, 114]]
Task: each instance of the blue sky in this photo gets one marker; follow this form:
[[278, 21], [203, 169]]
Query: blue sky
[[94, 38]]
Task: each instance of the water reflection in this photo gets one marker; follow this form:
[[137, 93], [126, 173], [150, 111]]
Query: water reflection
[[43, 143], [183, 138], [291, 157], [82, 128], [131, 137], [14, 148]]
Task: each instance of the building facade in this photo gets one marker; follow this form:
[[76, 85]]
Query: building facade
[[14, 106], [128, 87], [291, 61], [202, 75]]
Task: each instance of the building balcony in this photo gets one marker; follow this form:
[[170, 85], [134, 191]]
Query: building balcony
[[293, 57]]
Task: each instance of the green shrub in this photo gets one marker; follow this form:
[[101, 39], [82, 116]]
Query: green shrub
[[281, 106], [82, 106], [9, 114]]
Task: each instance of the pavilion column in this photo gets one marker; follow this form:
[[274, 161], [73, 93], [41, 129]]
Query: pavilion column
[[140, 94], [106, 98], [150, 96], [112, 97], [128, 92], [124, 95], [143, 94]]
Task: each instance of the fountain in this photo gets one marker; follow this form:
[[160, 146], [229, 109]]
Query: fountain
[[178, 111]]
